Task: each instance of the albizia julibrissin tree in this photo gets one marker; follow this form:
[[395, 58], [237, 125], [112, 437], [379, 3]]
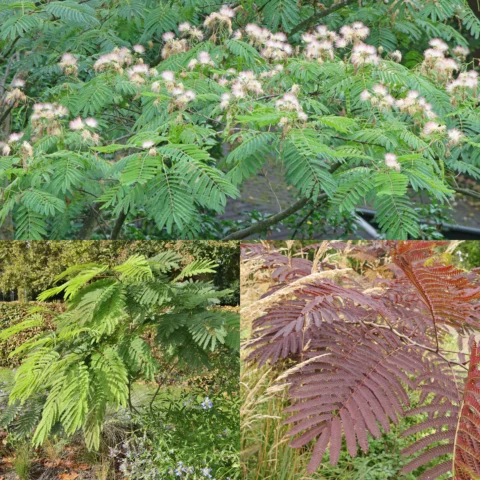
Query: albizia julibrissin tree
[[362, 339], [137, 113]]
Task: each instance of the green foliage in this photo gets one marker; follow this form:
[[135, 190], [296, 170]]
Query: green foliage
[[28, 268], [98, 348], [15, 314], [164, 155]]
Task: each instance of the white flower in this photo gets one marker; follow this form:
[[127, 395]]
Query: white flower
[[190, 95], [76, 124], [433, 127], [91, 122], [365, 96], [168, 76], [184, 27], [391, 161], [438, 44], [18, 83], [68, 59], [380, 90], [204, 58], [168, 36], [155, 87], [15, 137], [148, 144], [139, 49], [455, 136]]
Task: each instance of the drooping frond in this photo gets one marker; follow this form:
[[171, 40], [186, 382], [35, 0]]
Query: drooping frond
[[445, 289]]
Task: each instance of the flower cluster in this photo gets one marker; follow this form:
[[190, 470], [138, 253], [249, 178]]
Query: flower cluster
[[465, 82], [289, 103], [68, 64], [13, 143], [274, 46], [220, 21], [16, 95], [413, 103], [173, 45], [381, 97], [83, 127], [181, 96], [139, 72], [203, 59], [115, 60], [245, 83], [431, 128], [391, 161], [186, 30], [181, 469], [436, 63], [354, 33], [45, 119], [363, 54]]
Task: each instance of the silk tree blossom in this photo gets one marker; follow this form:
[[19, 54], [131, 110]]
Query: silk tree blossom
[[354, 33], [321, 51], [461, 52], [433, 127], [381, 97], [221, 20], [204, 58], [18, 83], [168, 76], [138, 49], [26, 150], [77, 124], [168, 37], [363, 54], [173, 45], [115, 60], [15, 97], [414, 104], [15, 137], [184, 27], [148, 144], [5, 149], [396, 56], [68, 64], [391, 161], [226, 97], [464, 82], [246, 83], [365, 96], [455, 136], [91, 122], [438, 44]]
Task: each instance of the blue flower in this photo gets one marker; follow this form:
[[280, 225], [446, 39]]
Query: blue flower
[[206, 472], [207, 403]]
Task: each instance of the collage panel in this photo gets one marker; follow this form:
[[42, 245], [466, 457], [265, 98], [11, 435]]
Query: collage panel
[[275, 119], [360, 360], [119, 360]]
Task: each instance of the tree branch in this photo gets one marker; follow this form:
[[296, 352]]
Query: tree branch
[[269, 221], [467, 191], [118, 225], [317, 16]]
